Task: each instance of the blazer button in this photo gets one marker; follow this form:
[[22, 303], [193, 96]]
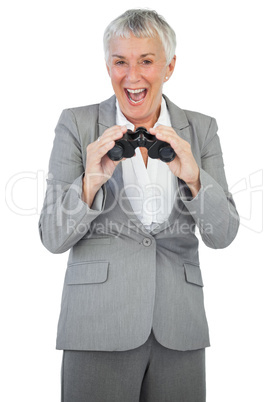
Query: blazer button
[[146, 242]]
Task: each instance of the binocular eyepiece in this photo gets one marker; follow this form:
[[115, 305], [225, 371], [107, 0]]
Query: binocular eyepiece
[[125, 147]]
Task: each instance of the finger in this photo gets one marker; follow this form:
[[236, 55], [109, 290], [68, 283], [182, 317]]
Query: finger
[[109, 135], [169, 138], [164, 133], [107, 140], [114, 132], [169, 135], [152, 131], [101, 150]]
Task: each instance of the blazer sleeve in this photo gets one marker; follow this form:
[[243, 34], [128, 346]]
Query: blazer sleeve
[[213, 209], [65, 218]]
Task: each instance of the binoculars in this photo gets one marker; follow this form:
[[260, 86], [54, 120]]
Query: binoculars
[[125, 147]]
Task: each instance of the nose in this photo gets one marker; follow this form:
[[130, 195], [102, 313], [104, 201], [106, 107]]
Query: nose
[[133, 73]]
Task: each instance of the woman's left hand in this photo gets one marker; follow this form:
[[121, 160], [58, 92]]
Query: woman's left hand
[[184, 165]]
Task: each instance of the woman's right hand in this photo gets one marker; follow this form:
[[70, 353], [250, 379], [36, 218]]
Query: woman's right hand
[[99, 167]]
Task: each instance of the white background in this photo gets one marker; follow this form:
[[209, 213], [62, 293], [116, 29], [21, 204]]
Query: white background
[[51, 59]]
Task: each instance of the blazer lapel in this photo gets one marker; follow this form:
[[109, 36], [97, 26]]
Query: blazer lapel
[[107, 118], [179, 121], [107, 114], [180, 124]]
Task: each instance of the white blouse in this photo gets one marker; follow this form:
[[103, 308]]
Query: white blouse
[[151, 191]]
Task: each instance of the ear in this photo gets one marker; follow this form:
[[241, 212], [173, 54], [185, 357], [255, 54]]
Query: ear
[[171, 66]]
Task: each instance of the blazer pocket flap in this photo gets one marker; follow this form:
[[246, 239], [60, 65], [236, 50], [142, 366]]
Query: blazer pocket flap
[[85, 241], [193, 274], [87, 272]]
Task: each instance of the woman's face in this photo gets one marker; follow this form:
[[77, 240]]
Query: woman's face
[[137, 67]]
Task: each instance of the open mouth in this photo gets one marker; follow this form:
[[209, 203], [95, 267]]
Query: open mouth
[[136, 96]]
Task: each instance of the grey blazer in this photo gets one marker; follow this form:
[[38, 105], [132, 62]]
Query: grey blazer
[[121, 280]]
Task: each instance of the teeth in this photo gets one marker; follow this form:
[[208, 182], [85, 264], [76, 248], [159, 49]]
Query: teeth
[[136, 101], [135, 91]]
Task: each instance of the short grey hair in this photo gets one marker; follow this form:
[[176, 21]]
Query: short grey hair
[[142, 23]]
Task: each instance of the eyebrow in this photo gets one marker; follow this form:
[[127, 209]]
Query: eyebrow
[[147, 54], [117, 55], [142, 55]]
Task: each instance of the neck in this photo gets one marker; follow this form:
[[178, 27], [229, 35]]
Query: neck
[[146, 122]]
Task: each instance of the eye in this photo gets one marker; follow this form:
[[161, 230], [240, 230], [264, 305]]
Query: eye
[[146, 62], [119, 63]]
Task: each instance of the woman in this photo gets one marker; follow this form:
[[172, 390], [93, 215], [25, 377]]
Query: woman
[[132, 322]]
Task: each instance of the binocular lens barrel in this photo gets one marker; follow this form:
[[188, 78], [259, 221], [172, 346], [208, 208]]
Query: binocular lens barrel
[[166, 154], [116, 153]]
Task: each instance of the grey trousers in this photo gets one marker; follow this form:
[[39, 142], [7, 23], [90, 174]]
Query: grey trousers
[[150, 373]]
